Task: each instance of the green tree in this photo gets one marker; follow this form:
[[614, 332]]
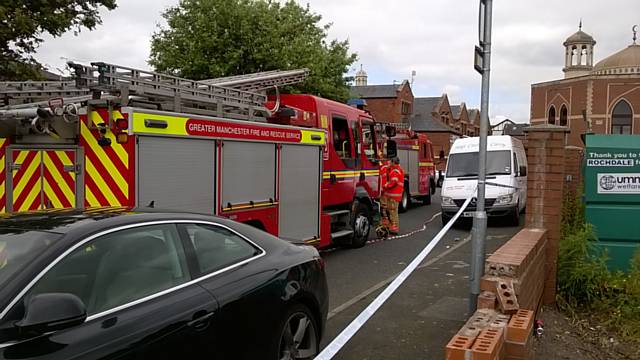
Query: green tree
[[22, 23], [216, 38]]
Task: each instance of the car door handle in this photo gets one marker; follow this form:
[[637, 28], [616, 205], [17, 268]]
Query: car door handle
[[201, 322]]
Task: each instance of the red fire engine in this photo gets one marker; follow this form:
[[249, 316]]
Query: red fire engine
[[416, 158], [299, 166]]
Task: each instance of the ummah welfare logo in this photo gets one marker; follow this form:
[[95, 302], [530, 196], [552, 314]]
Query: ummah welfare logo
[[619, 183], [607, 182]]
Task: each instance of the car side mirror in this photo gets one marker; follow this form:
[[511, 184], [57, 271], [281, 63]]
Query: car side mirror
[[523, 171], [51, 312]]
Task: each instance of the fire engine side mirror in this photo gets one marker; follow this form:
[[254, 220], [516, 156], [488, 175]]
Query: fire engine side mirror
[[390, 131], [392, 150]]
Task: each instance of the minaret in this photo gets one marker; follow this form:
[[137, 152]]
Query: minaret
[[578, 54], [361, 77]]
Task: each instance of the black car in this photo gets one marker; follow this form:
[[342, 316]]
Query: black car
[[118, 284]]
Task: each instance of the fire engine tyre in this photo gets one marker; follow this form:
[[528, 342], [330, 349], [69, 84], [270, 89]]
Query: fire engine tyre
[[405, 202], [426, 200], [361, 225], [298, 335]]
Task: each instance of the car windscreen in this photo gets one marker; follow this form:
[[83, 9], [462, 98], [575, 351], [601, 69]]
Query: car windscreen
[[19, 248], [466, 164]]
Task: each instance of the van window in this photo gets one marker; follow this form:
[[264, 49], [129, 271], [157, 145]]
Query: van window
[[515, 164], [466, 164]]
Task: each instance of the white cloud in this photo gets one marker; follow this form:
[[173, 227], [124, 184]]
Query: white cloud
[[435, 38]]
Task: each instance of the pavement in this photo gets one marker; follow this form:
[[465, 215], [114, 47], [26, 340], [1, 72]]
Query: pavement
[[427, 310]]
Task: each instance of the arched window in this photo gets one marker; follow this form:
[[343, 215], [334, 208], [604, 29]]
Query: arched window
[[552, 115], [583, 55], [563, 116], [621, 118], [574, 56]]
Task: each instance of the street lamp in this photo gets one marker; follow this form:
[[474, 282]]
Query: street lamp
[[482, 64]]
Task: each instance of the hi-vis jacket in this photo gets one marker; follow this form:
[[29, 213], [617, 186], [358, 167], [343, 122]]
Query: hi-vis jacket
[[395, 186], [384, 175]]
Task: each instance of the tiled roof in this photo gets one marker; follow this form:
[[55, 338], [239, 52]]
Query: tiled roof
[[456, 111], [514, 129], [472, 116], [425, 105], [374, 91], [426, 123]]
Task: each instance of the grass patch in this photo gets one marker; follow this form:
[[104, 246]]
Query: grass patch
[[586, 287]]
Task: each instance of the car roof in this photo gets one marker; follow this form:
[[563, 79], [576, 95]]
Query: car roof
[[63, 221]]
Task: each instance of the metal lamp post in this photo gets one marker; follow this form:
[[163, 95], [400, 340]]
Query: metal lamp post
[[479, 230]]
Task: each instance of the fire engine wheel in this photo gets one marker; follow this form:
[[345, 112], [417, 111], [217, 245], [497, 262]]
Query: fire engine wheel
[[361, 225], [426, 200], [405, 202]]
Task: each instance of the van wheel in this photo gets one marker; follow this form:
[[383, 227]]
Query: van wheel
[[445, 219], [405, 202], [515, 216]]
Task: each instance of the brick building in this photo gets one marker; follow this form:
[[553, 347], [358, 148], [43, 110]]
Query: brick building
[[443, 123], [603, 98], [387, 103]]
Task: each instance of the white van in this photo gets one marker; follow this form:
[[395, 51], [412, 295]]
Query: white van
[[506, 166]]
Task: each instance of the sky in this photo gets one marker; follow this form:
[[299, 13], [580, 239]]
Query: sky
[[435, 38]]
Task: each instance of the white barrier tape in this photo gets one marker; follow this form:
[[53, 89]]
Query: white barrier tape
[[501, 185], [332, 349]]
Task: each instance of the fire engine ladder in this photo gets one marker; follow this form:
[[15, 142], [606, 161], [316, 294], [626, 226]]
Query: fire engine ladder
[[16, 93], [233, 97], [262, 81], [169, 92]]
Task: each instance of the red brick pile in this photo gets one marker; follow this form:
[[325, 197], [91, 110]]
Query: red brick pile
[[511, 294]]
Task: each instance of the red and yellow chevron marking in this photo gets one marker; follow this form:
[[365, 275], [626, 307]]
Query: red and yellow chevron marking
[[59, 185], [3, 175], [27, 180], [108, 169]]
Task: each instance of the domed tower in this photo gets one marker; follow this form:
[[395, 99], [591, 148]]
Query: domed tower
[[624, 62], [361, 77], [579, 54]]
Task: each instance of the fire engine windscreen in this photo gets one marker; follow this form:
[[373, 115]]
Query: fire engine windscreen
[[466, 164]]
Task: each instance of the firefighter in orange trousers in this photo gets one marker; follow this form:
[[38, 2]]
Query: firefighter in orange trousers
[[384, 199], [393, 190]]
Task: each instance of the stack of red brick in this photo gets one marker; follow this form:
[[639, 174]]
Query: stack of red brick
[[511, 294], [490, 335]]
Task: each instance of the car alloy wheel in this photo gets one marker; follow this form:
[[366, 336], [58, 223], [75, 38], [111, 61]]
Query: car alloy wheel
[[299, 338]]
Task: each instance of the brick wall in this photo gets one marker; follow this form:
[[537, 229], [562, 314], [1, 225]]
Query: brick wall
[[573, 158], [384, 109], [545, 188], [512, 289], [390, 109]]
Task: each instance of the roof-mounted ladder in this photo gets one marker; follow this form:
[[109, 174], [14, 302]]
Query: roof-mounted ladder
[[239, 97], [22, 92], [262, 81], [169, 92]]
